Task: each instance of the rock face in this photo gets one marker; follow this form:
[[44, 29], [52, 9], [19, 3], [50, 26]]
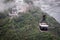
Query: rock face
[[19, 7], [52, 7]]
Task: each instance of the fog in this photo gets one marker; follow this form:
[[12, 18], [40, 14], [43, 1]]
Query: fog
[[52, 7], [5, 6]]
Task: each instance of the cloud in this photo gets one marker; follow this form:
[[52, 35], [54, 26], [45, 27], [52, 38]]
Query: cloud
[[52, 7], [5, 6]]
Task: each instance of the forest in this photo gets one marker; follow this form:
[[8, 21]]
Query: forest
[[26, 26]]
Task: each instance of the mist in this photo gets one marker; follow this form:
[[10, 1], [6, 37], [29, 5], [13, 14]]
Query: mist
[[52, 7], [5, 6]]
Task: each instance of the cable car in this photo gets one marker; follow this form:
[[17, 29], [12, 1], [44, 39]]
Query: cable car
[[43, 24]]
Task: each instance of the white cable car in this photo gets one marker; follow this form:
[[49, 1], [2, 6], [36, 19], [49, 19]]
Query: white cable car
[[43, 25]]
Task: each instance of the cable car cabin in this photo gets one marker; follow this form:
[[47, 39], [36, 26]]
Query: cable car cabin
[[43, 26]]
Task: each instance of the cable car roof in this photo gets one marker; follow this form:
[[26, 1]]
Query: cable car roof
[[43, 25]]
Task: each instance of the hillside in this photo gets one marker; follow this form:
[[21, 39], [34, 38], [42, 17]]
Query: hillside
[[26, 27]]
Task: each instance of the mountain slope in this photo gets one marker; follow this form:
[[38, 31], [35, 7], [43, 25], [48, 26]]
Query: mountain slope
[[26, 27]]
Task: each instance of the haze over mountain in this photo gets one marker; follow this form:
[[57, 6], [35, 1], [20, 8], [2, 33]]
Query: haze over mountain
[[4, 5], [25, 26], [52, 7]]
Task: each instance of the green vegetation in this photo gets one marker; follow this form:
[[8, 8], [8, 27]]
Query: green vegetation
[[26, 27]]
